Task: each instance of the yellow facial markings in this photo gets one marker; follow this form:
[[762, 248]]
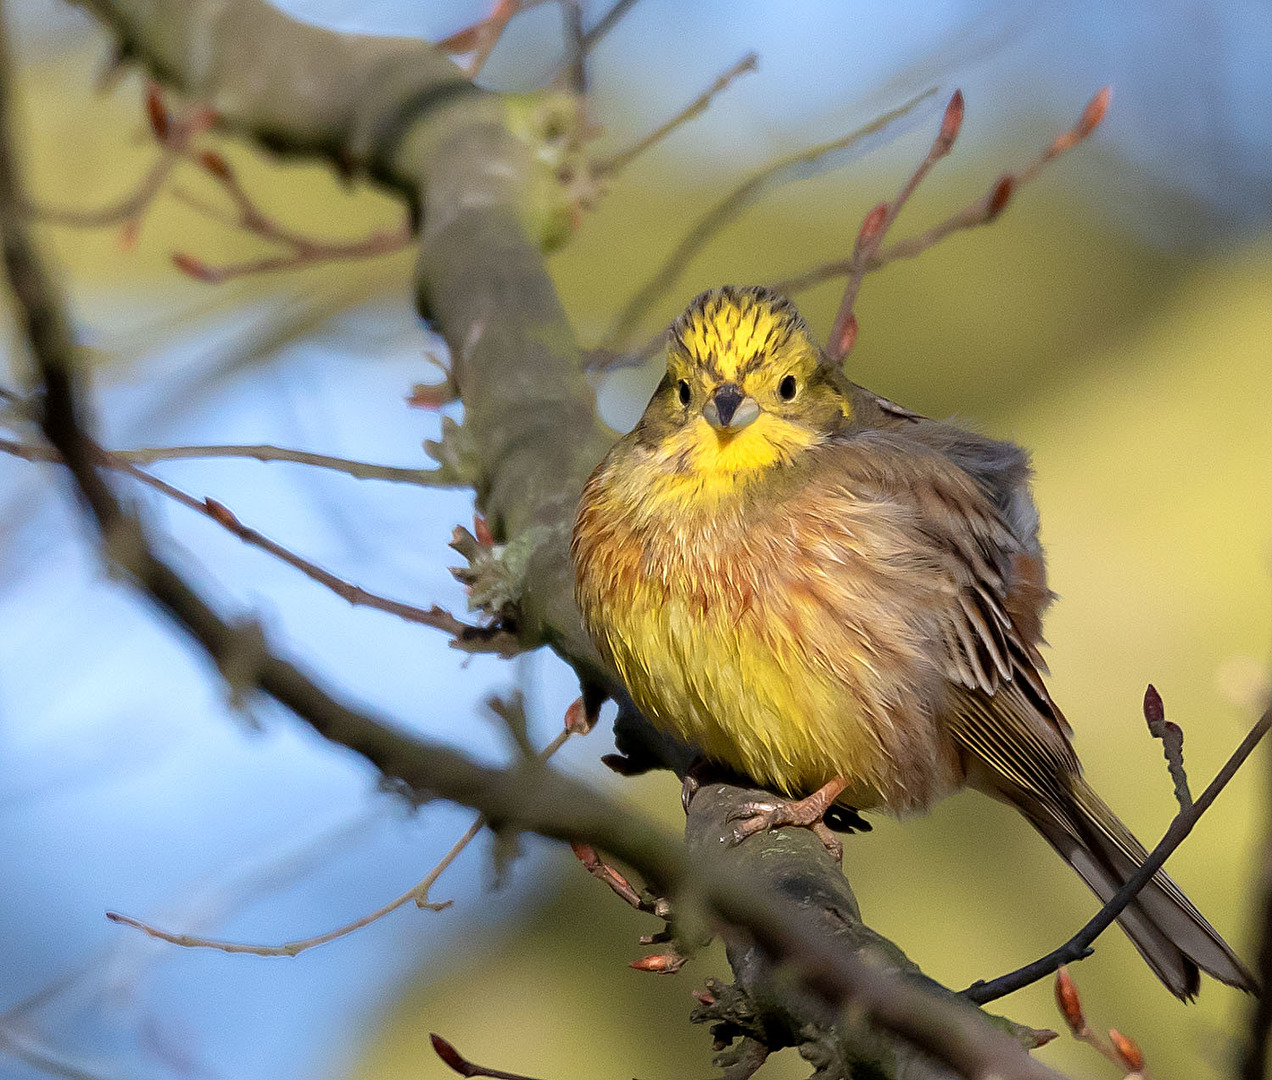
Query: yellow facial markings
[[698, 466], [726, 338]]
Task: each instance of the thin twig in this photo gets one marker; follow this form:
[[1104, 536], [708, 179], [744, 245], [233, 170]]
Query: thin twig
[[361, 470], [129, 208], [981, 212], [1172, 737], [174, 135], [1079, 946], [455, 1060], [418, 892], [876, 224], [605, 24], [466, 636], [726, 211], [251, 218], [614, 165]]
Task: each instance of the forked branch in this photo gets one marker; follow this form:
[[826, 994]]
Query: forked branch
[[869, 254]]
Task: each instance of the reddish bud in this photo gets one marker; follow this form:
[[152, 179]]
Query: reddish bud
[[578, 721], [950, 124], [659, 963], [215, 164], [1000, 196], [1128, 1051], [847, 338], [872, 227], [451, 1056], [1154, 710], [430, 395], [157, 113], [481, 530], [586, 854], [1093, 113], [128, 233], [704, 997], [221, 514], [193, 267], [1068, 1002]]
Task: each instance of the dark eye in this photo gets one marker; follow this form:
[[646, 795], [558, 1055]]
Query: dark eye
[[682, 388], [786, 388]]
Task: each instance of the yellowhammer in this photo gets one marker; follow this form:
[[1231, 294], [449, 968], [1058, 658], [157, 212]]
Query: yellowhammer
[[842, 600]]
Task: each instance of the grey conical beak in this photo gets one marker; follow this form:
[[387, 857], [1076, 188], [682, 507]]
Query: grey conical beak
[[728, 409]]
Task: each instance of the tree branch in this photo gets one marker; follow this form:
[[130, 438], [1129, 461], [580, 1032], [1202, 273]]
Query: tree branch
[[1079, 946]]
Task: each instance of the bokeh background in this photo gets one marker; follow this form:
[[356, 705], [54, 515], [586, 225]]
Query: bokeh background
[[1117, 320]]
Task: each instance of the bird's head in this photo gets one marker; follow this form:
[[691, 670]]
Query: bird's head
[[746, 386]]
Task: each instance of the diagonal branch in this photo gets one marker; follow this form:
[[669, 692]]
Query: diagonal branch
[[1079, 946], [465, 636], [868, 254], [419, 893], [612, 166], [727, 210]]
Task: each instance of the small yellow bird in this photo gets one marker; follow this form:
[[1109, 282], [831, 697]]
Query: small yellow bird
[[842, 600]]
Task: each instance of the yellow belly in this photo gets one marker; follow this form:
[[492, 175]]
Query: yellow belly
[[741, 689]]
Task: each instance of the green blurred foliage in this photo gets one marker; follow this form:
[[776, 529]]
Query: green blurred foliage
[[1141, 381]]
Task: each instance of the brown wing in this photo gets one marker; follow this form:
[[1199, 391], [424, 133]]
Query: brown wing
[[999, 711]]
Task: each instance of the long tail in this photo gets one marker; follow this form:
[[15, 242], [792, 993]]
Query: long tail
[[1169, 932]]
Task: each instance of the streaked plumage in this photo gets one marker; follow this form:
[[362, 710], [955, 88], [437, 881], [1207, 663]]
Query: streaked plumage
[[836, 587]]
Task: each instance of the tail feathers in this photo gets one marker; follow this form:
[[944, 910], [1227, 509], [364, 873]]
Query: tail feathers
[[1169, 932]]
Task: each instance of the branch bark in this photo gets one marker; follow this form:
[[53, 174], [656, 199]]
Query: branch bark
[[402, 114]]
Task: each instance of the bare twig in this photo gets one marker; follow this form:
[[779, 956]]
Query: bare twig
[[726, 211], [981, 212], [361, 470], [174, 134], [612, 166], [455, 1060], [876, 224], [606, 23], [251, 218], [466, 636], [418, 893], [1079, 946], [1172, 737], [1255, 1054]]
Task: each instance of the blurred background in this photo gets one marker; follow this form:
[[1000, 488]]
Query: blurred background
[[1116, 320]]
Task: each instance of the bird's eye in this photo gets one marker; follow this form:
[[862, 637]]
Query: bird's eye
[[682, 388], [786, 388]]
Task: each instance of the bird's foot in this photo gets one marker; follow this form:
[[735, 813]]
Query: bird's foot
[[776, 813]]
